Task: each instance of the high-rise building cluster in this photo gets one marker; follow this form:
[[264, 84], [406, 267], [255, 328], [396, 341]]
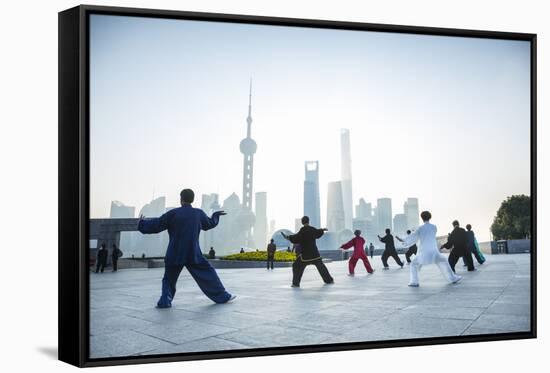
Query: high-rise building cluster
[[246, 224], [341, 217]]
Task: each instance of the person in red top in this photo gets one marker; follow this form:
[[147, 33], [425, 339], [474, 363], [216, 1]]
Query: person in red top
[[358, 244]]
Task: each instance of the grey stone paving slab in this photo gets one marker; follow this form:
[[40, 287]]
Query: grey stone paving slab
[[201, 345], [478, 331], [184, 331], [124, 343], [115, 323], [444, 312], [277, 336], [503, 322], [268, 313], [509, 309], [403, 321]]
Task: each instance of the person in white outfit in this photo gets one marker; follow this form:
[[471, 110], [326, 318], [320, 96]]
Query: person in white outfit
[[428, 251]]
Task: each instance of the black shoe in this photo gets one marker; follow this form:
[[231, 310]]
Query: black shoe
[[294, 286]]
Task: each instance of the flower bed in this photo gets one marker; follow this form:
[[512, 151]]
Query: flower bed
[[261, 256]]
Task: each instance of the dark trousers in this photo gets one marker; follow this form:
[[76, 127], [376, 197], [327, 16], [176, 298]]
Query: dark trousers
[[100, 266], [479, 259], [412, 250], [300, 265], [391, 253], [371, 254], [115, 264], [270, 261], [465, 254], [204, 275]]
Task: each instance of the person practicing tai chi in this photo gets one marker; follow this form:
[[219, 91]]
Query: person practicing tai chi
[[457, 241], [184, 225], [473, 246], [309, 254], [428, 252], [358, 244], [389, 250], [412, 250]]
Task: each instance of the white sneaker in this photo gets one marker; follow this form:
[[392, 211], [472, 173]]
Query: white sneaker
[[231, 299], [458, 278]]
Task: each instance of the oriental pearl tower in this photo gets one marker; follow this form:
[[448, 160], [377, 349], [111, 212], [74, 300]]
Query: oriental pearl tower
[[248, 148]]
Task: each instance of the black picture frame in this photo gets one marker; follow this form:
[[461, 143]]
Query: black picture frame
[[74, 188]]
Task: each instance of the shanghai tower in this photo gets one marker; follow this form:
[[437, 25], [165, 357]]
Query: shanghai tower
[[345, 158], [312, 205]]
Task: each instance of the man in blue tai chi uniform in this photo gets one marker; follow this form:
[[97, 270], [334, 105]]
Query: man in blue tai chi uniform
[[184, 225]]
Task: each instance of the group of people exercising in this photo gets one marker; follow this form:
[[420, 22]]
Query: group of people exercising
[[185, 223]]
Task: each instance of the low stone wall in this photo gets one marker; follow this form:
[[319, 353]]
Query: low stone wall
[[216, 263], [513, 246], [220, 263], [125, 263]]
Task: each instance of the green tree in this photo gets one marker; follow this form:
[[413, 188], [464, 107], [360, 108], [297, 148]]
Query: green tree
[[513, 219]]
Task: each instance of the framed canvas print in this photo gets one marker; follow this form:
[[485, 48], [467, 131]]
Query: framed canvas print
[[234, 186]]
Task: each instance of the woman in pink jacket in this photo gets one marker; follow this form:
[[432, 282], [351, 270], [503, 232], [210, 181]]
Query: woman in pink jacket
[[358, 244]]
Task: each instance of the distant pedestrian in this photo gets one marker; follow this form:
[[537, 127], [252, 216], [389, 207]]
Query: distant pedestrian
[[271, 248], [358, 244], [242, 251], [389, 250], [412, 250], [115, 255], [309, 253], [371, 250], [212, 253], [102, 255], [288, 250]]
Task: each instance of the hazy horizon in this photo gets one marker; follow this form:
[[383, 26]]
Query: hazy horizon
[[443, 119]]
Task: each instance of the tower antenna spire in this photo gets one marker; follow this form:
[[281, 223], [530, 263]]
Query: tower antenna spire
[[249, 118]]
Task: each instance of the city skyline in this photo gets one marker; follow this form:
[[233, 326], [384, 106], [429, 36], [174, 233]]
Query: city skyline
[[403, 98]]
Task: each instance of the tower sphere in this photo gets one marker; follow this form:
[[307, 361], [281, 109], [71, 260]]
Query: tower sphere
[[248, 146]]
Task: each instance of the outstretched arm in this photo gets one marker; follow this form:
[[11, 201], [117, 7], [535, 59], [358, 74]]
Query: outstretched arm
[[410, 240], [347, 245], [209, 223], [294, 238], [450, 242], [320, 232], [152, 225]]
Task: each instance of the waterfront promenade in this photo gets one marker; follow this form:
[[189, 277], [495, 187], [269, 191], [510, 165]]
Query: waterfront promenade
[[268, 313]]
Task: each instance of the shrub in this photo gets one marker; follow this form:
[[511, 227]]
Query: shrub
[[280, 256]]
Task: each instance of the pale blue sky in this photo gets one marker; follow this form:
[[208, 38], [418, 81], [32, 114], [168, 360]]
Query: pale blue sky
[[444, 119]]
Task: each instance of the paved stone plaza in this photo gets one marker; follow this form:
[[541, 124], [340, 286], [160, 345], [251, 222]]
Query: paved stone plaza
[[269, 313]]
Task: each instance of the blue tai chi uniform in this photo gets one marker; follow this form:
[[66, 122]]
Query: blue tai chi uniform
[[184, 225]]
